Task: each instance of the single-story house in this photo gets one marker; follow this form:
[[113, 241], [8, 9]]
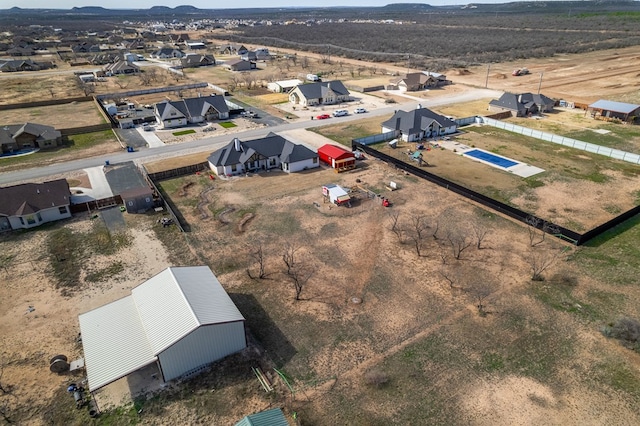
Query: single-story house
[[412, 82], [249, 55], [611, 109], [17, 65], [337, 157], [181, 319], [167, 53], [193, 110], [272, 417], [283, 86], [270, 152], [32, 204], [239, 64], [179, 38], [419, 123], [120, 67], [523, 104], [319, 93], [194, 60], [15, 137], [233, 49]]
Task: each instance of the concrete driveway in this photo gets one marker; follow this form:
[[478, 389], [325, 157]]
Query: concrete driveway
[[152, 140], [99, 186]]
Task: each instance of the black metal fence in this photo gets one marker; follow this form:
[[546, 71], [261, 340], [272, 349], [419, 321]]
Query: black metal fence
[[558, 231]]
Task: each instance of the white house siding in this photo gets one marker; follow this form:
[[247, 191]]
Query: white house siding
[[302, 165], [201, 347], [174, 122], [48, 215]]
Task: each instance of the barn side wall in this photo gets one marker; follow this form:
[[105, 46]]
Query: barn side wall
[[201, 347]]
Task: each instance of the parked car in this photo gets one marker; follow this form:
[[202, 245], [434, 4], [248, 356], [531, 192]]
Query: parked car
[[146, 127], [249, 114], [323, 116], [359, 111], [340, 113]]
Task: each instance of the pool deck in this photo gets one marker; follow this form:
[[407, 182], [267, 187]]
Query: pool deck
[[520, 169]]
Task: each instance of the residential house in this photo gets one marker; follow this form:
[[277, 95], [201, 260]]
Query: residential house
[[17, 65], [249, 56], [283, 86], [15, 137], [262, 54], [270, 152], [21, 51], [105, 58], [180, 321], [419, 123], [239, 65], [179, 38], [120, 67], [412, 82], [32, 204], [194, 60], [523, 104], [319, 93], [136, 44], [167, 53], [86, 48], [233, 49], [193, 110]]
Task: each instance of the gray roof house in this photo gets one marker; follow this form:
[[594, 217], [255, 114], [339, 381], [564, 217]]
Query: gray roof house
[[270, 152], [15, 137], [32, 204], [167, 52], [120, 67], [614, 110], [419, 123], [193, 110], [239, 64], [181, 319], [194, 60], [523, 104], [320, 93]]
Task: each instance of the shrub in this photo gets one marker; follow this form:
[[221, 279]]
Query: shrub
[[376, 378], [626, 330]]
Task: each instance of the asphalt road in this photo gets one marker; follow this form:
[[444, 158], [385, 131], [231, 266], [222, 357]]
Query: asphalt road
[[215, 142]]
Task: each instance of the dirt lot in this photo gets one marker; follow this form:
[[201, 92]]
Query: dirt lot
[[607, 74], [370, 305], [73, 114]]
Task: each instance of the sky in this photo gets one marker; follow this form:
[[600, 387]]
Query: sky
[[208, 4]]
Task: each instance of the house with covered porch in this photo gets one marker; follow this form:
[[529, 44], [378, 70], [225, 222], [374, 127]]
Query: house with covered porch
[[172, 114], [418, 124], [270, 152]]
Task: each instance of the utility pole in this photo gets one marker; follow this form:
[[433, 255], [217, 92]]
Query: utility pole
[[540, 83], [486, 81]]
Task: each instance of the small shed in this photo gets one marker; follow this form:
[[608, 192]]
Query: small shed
[[338, 158], [181, 319], [137, 200], [336, 194], [273, 417]]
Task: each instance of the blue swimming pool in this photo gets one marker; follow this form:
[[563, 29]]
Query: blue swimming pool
[[491, 158]]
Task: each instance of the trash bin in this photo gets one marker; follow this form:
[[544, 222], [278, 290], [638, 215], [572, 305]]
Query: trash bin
[[106, 163]]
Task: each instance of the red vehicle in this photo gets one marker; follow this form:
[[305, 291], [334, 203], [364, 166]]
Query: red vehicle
[[323, 117]]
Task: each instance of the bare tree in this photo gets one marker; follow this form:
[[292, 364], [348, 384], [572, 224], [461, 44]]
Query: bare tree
[[4, 413], [417, 231], [234, 82], [304, 62], [86, 88], [247, 79], [395, 226], [294, 59], [453, 274], [480, 231], [459, 241], [51, 92], [152, 73], [256, 252], [145, 78], [297, 271], [480, 286], [541, 260], [538, 230], [121, 81]]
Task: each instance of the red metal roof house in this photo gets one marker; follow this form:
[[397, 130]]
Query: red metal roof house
[[338, 158]]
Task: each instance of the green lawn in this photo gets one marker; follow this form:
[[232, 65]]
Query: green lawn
[[228, 124], [78, 145], [184, 132]]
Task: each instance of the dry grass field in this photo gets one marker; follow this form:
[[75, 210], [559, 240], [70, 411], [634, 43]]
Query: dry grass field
[[73, 114]]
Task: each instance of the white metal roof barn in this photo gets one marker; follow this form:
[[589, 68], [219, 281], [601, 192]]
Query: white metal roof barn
[[182, 318]]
